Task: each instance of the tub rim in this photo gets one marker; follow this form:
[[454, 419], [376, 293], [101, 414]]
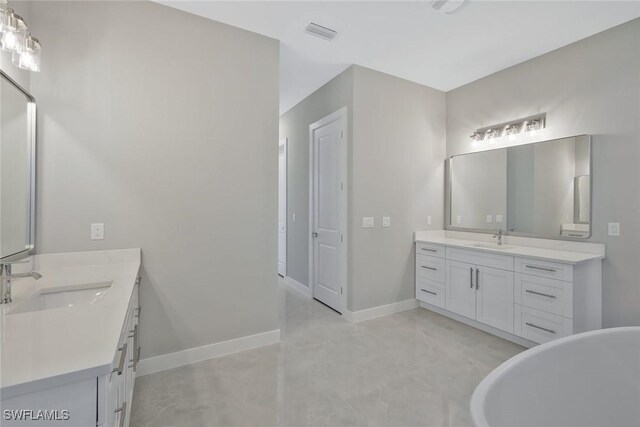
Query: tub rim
[[479, 395]]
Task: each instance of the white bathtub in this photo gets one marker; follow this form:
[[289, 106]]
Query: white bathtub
[[585, 380]]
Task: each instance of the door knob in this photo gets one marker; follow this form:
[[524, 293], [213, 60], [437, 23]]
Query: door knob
[[314, 234]]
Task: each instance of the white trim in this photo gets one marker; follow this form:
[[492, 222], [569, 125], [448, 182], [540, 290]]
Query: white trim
[[294, 284], [483, 327], [380, 311], [211, 351], [342, 115]]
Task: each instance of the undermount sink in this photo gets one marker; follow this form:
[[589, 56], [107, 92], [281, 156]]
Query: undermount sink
[[47, 299], [491, 246]]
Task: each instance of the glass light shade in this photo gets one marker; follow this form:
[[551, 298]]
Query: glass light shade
[[13, 32], [28, 55]]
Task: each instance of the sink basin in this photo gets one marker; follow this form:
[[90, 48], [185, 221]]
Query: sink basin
[[47, 299], [491, 246]]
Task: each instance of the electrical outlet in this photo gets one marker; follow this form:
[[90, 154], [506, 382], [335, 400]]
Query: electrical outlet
[[367, 222], [459, 219], [489, 219], [499, 218], [97, 231], [429, 222], [294, 217], [386, 221], [614, 229]]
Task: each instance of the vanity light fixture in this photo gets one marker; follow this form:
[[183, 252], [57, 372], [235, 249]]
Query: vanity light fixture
[[510, 129], [15, 38]]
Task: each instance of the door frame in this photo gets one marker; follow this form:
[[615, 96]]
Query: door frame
[[343, 153], [284, 141]]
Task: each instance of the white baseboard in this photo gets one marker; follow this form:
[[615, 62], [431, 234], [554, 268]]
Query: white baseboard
[[211, 351], [380, 311], [294, 284]]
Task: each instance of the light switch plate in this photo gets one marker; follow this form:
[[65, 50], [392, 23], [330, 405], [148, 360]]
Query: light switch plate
[[386, 221], [459, 219], [367, 222], [489, 219], [429, 221], [294, 217], [499, 218], [614, 229], [97, 231]]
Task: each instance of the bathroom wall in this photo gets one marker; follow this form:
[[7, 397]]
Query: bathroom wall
[[163, 126], [294, 125], [589, 87], [396, 169]]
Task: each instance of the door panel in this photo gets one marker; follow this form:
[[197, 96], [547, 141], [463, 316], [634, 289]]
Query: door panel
[[326, 190], [461, 294], [494, 304], [282, 209]]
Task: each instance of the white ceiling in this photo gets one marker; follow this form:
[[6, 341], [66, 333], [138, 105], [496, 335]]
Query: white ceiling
[[408, 39]]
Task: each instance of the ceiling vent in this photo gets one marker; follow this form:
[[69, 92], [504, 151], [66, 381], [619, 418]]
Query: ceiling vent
[[320, 31]]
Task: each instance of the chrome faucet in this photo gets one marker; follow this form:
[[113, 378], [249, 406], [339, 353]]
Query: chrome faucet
[[499, 237], [5, 281]]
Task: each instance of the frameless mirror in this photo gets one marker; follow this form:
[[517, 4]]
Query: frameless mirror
[[17, 170], [541, 189]]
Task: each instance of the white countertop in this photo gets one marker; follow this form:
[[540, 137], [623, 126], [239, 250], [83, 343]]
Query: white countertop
[[41, 349], [515, 249]]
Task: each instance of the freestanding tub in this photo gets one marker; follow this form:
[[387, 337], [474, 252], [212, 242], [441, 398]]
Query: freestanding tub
[[585, 380]]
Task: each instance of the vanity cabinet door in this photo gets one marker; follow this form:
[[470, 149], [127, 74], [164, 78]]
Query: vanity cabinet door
[[461, 293], [494, 298]]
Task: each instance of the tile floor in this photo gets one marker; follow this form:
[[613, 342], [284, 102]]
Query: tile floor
[[415, 368]]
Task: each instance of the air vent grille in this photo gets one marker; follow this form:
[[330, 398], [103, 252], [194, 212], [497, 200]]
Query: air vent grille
[[320, 31]]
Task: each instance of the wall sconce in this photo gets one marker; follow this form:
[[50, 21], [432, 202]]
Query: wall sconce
[[510, 129], [16, 39]]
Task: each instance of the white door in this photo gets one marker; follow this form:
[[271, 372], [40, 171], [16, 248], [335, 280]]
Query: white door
[[326, 219], [494, 303], [282, 208], [461, 293]]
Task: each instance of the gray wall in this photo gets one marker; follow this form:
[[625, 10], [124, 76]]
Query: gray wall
[[396, 150], [164, 126], [294, 125], [397, 170], [589, 87]]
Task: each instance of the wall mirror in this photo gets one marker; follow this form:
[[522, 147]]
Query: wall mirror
[[17, 170], [537, 190]]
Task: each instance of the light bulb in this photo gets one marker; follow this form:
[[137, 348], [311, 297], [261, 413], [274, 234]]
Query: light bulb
[[28, 56], [13, 32]]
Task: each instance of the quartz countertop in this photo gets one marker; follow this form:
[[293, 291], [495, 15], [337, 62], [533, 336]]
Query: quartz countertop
[[548, 253], [46, 348]]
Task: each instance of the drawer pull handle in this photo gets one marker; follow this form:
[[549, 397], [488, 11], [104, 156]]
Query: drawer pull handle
[[533, 267], [123, 415], [477, 279], [429, 292], [138, 310], [471, 277], [541, 328], [541, 294], [429, 268], [430, 250], [123, 357]]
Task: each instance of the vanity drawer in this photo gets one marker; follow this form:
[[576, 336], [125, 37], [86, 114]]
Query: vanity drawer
[[540, 326], [502, 262], [430, 249], [430, 292], [549, 269], [550, 295], [431, 268]]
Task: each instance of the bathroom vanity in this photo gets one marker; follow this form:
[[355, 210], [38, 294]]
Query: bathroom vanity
[[70, 340], [524, 293]]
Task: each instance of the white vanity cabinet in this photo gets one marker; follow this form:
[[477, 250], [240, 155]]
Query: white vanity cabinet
[[527, 300], [103, 400]]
